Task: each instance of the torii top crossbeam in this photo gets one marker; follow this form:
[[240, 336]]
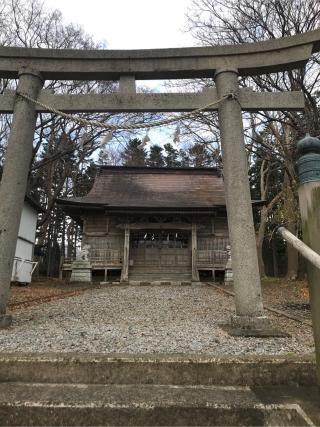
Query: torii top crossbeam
[[191, 62]]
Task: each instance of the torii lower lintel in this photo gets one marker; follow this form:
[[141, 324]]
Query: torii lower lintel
[[158, 102]]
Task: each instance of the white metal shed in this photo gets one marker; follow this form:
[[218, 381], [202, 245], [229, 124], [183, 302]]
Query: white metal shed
[[24, 265]]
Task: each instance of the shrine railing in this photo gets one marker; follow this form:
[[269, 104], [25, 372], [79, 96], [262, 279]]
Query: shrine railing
[[212, 258], [98, 257]]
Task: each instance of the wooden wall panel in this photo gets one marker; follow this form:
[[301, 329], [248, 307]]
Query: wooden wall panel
[[221, 226], [106, 242]]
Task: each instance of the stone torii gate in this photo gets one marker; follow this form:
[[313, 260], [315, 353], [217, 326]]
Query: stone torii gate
[[222, 63]]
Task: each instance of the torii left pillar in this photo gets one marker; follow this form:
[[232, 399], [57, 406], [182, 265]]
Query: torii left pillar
[[14, 180]]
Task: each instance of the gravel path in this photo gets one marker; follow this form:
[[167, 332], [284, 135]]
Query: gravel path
[[143, 320]]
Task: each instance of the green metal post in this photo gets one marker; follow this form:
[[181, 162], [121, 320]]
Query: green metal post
[[309, 200]]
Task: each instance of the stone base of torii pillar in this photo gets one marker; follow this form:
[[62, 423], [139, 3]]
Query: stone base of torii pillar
[[258, 326]]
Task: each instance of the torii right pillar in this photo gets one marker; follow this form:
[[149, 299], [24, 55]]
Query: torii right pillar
[[250, 318]]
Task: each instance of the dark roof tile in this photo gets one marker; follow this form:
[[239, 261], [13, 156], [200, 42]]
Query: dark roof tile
[[155, 187]]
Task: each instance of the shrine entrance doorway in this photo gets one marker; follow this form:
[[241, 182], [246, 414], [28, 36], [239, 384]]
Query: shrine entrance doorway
[[160, 255]]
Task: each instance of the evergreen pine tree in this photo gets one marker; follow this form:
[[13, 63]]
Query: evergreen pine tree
[[132, 155], [156, 158], [172, 156], [184, 158]]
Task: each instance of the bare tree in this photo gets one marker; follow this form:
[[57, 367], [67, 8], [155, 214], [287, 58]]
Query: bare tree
[[64, 151], [216, 22]]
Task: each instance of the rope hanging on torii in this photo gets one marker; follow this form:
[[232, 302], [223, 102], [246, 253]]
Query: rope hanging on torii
[[114, 127], [97, 123]]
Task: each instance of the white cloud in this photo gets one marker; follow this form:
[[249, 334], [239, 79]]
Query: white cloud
[[130, 24]]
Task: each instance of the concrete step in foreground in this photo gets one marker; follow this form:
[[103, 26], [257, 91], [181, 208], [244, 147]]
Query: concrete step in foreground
[[143, 405], [163, 369], [156, 390]]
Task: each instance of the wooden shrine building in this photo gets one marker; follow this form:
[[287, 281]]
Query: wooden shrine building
[[145, 223]]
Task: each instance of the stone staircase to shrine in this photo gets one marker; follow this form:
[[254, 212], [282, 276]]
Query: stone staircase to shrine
[[156, 390], [143, 275]]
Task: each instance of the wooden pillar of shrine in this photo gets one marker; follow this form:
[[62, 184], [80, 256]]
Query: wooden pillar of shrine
[[125, 261], [194, 248]]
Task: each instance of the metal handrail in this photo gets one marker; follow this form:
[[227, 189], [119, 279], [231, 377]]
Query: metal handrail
[[312, 256]]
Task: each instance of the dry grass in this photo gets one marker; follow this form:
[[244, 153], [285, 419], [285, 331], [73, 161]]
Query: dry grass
[[274, 288], [289, 296], [40, 291]]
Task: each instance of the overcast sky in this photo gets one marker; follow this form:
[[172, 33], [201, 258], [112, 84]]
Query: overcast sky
[[130, 24]]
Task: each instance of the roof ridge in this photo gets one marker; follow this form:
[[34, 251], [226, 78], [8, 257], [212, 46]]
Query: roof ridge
[[150, 169]]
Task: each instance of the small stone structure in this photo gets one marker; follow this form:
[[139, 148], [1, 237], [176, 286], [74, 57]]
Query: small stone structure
[[81, 267]]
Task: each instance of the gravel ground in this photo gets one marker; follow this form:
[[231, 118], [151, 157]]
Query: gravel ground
[[146, 319]]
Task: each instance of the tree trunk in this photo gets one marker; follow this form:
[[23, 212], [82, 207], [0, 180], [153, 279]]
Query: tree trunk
[[292, 254], [260, 239], [275, 258], [70, 234], [290, 209]]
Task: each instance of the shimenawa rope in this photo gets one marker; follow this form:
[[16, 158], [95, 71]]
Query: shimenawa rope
[[97, 123]]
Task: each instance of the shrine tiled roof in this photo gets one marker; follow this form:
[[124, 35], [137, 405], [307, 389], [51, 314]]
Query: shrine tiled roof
[[148, 187]]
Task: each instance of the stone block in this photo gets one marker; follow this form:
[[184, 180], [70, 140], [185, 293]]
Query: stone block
[[81, 271], [5, 321], [250, 322]]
